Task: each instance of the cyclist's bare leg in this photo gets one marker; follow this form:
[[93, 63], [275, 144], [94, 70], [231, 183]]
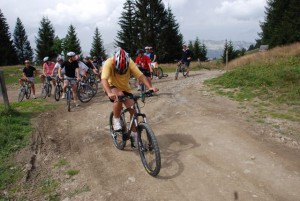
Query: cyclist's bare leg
[[117, 106], [74, 89], [65, 86], [33, 88]]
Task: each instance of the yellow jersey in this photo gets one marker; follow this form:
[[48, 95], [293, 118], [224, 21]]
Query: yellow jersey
[[119, 81]]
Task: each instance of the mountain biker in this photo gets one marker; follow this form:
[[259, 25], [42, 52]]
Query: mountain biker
[[59, 61], [115, 81], [144, 64], [186, 58], [71, 72], [92, 68], [83, 69], [29, 74], [48, 67]]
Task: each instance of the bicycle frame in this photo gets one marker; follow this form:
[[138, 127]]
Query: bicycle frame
[[134, 120]]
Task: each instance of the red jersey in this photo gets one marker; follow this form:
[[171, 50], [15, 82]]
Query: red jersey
[[143, 62]]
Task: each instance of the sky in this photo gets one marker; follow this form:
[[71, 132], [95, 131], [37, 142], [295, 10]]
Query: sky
[[236, 20]]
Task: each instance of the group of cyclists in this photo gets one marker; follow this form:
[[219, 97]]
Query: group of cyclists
[[114, 77]]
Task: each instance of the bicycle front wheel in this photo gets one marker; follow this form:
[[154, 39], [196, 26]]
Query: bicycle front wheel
[[68, 100], [45, 91], [85, 93], [21, 94], [28, 92], [57, 92], [117, 136], [148, 149]]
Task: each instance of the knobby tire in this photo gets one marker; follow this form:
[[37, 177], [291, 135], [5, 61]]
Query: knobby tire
[[117, 136], [149, 149]]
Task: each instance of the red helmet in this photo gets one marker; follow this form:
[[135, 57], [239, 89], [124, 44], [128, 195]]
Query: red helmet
[[121, 60]]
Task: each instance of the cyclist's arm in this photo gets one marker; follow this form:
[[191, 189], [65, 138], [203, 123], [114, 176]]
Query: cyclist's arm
[[24, 76], [59, 73], [154, 58], [44, 71], [77, 73], [106, 88]]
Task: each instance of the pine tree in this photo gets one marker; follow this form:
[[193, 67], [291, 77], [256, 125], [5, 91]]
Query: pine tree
[[228, 47], [45, 40], [127, 37], [170, 42], [151, 18], [97, 45], [58, 46], [71, 42], [22, 45], [203, 52], [282, 23], [196, 49], [8, 54]]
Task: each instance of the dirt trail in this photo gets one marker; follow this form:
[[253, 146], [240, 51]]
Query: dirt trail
[[210, 151]]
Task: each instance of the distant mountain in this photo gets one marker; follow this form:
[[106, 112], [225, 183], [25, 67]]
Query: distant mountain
[[214, 47]]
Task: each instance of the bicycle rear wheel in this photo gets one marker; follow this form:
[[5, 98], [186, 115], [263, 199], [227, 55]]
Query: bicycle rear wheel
[[21, 94], [85, 93], [28, 92], [148, 149], [117, 136], [57, 92], [159, 72]]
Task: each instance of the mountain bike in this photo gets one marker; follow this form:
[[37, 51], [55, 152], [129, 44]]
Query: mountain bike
[[69, 93], [84, 91], [180, 68], [47, 87], [147, 144], [25, 90], [58, 89]]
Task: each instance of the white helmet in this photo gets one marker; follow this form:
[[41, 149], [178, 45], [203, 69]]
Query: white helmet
[[71, 54], [46, 59]]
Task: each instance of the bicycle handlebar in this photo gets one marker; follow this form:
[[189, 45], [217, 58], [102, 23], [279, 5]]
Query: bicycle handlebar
[[134, 97]]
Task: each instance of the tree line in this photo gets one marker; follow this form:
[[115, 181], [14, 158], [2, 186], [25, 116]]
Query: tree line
[[18, 49]]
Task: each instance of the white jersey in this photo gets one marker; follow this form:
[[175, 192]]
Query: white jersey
[[82, 68]]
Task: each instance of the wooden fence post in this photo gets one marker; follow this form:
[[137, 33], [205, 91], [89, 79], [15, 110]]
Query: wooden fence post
[[3, 90]]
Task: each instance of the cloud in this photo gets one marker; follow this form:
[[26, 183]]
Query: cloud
[[241, 9]]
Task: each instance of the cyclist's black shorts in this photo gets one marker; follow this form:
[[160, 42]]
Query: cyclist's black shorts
[[145, 72]]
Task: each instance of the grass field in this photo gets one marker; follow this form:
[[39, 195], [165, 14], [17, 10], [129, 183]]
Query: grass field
[[272, 76]]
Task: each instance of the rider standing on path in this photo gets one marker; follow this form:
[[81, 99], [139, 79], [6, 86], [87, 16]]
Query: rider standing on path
[[144, 64], [186, 58], [153, 58], [71, 72], [29, 73], [115, 80]]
